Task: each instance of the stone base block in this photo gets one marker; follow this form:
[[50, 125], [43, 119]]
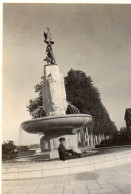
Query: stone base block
[[49, 145]]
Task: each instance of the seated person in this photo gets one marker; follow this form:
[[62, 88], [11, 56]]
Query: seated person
[[65, 154]]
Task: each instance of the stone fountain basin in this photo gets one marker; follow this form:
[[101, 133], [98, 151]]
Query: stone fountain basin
[[63, 124]]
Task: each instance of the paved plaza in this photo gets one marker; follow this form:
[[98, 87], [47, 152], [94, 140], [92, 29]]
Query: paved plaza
[[111, 180]]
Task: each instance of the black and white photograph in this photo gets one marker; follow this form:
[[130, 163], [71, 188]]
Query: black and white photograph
[[66, 98]]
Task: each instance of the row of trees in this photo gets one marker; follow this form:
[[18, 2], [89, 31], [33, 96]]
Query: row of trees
[[85, 96], [122, 137]]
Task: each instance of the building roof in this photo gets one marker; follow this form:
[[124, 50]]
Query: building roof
[[128, 111]]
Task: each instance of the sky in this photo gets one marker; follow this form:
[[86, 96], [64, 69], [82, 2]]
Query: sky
[[93, 38]]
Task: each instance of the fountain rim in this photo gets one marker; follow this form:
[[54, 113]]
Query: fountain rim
[[56, 117], [49, 122]]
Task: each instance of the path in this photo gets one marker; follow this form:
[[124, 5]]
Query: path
[[116, 180]]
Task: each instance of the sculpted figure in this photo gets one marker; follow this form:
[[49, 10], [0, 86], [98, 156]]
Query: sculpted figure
[[49, 51]]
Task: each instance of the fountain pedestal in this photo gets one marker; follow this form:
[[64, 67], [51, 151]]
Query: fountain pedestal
[[55, 104], [49, 145]]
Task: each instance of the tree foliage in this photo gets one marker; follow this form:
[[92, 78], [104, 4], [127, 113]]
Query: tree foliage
[[35, 107], [8, 150], [122, 137], [83, 95]]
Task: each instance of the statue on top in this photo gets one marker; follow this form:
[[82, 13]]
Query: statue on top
[[49, 51]]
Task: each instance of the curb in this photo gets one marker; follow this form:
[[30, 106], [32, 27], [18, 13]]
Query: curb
[[61, 168]]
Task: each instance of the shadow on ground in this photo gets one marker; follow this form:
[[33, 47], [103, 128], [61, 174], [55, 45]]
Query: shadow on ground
[[87, 176]]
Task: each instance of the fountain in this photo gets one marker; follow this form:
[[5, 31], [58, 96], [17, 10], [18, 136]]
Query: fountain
[[57, 123]]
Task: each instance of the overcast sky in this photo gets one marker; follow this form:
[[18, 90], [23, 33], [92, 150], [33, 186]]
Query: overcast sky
[[93, 38]]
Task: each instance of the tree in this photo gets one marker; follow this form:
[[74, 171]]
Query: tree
[[84, 96], [122, 137], [9, 150], [125, 135], [35, 105]]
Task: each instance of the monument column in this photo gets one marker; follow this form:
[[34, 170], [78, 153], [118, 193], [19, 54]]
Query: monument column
[[54, 101], [54, 96]]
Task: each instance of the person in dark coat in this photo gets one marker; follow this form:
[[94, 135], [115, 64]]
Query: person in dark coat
[[65, 154]]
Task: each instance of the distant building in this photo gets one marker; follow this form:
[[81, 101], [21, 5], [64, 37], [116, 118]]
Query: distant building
[[128, 118]]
